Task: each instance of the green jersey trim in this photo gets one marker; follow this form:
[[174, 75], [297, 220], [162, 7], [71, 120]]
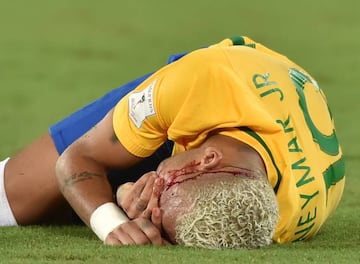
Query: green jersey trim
[[334, 173], [262, 142]]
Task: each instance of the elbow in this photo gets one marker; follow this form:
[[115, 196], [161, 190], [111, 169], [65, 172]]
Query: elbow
[[61, 170]]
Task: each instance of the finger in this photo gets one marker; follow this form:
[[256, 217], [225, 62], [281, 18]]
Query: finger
[[140, 183], [156, 217], [136, 233], [156, 220], [119, 237], [123, 191], [154, 200], [148, 189], [112, 241], [151, 231], [137, 207], [127, 200]]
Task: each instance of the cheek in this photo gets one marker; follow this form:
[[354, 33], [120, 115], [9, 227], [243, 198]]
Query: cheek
[[172, 200], [168, 224], [169, 205], [174, 204]]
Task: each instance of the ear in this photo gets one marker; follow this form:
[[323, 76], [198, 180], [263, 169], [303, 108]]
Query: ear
[[212, 156]]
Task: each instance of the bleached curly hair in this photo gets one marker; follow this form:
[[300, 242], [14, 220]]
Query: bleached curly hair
[[235, 213]]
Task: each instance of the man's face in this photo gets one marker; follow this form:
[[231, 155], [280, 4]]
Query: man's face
[[178, 173], [208, 164], [220, 158], [179, 199]]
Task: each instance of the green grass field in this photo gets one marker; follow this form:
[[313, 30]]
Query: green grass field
[[55, 56]]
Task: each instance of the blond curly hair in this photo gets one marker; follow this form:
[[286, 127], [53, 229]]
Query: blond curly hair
[[235, 213]]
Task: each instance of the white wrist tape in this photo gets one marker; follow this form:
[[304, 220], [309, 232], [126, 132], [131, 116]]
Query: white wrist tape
[[106, 218]]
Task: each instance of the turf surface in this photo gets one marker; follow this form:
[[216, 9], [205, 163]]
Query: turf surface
[[55, 56]]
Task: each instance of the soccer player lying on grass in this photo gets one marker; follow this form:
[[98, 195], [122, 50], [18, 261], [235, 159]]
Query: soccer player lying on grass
[[242, 119]]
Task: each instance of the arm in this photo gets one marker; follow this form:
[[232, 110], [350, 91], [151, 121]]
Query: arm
[[81, 172], [82, 169]]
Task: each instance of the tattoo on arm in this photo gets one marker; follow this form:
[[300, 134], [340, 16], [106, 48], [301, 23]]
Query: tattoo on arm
[[78, 177]]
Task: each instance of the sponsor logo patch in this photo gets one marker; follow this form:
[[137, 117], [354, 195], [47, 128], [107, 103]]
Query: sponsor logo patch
[[141, 105]]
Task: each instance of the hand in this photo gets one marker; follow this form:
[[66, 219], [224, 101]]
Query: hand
[[140, 231], [140, 198]]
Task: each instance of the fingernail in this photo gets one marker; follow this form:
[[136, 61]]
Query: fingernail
[[159, 181]]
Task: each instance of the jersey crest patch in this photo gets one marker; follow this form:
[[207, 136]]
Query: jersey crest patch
[[141, 105]]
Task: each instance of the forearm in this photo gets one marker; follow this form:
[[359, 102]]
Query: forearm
[[81, 172], [83, 183]]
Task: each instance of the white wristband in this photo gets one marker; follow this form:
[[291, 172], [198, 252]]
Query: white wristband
[[105, 218]]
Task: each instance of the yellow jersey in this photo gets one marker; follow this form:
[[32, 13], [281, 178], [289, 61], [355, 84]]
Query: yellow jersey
[[242, 89]]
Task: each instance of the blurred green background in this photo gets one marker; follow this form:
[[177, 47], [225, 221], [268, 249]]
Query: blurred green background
[[56, 56]]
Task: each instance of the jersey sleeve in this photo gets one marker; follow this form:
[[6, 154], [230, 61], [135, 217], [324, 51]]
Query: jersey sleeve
[[137, 122], [177, 103]]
